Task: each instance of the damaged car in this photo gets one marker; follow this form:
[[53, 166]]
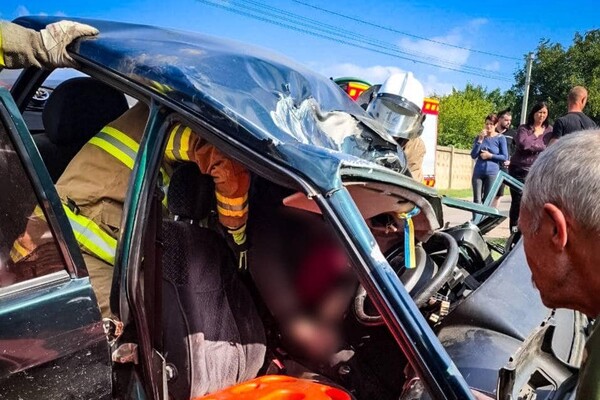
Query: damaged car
[[417, 309]]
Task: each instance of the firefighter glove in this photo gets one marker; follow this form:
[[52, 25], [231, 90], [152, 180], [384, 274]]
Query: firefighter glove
[[56, 37], [23, 47]]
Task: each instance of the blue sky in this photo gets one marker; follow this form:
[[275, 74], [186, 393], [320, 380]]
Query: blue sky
[[399, 32]]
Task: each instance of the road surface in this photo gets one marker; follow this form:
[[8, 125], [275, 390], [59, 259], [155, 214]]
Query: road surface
[[457, 217]]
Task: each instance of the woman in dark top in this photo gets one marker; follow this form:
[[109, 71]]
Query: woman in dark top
[[529, 143], [489, 148]]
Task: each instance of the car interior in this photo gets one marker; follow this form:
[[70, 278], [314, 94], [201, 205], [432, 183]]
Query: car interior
[[74, 112], [66, 117], [368, 363]]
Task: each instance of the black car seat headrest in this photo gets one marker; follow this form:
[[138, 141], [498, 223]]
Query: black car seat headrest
[[191, 195], [79, 108]]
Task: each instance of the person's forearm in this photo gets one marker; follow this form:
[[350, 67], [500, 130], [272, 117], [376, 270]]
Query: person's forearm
[[2, 62], [20, 46], [503, 154], [23, 48], [475, 150]]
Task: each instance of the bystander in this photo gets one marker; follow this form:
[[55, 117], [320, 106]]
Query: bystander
[[574, 119], [489, 149], [503, 127], [529, 143], [560, 223]]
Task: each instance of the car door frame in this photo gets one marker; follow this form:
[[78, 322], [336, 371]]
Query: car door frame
[[59, 311]]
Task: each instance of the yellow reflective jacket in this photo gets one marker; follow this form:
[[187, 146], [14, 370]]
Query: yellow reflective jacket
[[96, 180]]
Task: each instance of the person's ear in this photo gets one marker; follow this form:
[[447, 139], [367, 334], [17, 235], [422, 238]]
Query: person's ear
[[555, 220]]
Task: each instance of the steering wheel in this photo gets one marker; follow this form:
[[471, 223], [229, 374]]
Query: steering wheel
[[421, 282]]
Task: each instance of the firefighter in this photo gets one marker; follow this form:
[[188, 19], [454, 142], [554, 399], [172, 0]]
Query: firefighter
[[397, 106], [93, 186], [22, 48]]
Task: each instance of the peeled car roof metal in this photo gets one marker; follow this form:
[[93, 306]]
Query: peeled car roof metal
[[263, 99]]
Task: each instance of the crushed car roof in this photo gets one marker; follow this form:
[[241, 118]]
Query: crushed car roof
[[265, 100]]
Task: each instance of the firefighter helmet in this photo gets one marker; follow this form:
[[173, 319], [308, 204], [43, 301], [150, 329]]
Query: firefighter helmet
[[397, 106]]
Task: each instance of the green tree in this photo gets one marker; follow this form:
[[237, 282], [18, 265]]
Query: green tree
[[462, 115], [555, 70]]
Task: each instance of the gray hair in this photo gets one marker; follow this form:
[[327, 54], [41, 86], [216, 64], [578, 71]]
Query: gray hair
[[567, 174]]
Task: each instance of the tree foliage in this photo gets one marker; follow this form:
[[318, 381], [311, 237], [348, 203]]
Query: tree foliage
[[463, 112], [555, 70]]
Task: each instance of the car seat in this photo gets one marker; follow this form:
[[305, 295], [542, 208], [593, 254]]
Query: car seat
[[75, 111], [213, 336]]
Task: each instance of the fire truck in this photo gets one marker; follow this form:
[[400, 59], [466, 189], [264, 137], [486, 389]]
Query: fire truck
[[354, 87]]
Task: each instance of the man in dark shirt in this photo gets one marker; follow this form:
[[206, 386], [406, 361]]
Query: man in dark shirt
[[504, 122], [575, 119]]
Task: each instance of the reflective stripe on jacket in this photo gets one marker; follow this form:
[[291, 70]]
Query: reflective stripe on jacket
[[36, 233], [91, 237], [96, 179], [88, 234], [232, 180], [2, 63], [124, 149]]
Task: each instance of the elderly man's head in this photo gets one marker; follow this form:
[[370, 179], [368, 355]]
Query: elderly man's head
[[560, 222]]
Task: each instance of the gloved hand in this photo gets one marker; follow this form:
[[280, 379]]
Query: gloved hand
[[240, 246], [57, 36], [24, 47]]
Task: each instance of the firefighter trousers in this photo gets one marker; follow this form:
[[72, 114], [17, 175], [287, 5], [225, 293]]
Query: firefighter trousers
[[101, 275]]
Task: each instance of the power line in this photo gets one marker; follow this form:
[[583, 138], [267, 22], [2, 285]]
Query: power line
[[387, 28], [229, 7], [346, 34]]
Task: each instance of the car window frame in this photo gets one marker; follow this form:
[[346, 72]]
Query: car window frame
[[41, 184], [58, 309], [416, 339]]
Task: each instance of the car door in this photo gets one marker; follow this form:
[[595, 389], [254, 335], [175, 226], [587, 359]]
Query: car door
[[52, 343]]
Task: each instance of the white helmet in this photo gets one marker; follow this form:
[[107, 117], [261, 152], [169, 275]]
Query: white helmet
[[397, 106]]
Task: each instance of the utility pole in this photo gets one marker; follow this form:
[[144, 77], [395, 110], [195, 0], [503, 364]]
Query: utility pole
[[526, 89]]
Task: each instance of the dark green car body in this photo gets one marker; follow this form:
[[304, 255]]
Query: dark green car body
[[261, 109]]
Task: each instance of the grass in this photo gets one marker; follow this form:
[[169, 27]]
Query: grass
[[499, 242], [464, 193], [457, 193]]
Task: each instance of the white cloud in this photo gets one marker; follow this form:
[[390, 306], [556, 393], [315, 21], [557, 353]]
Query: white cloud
[[22, 11], [458, 36], [493, 66], [433, 86], [378, 73], [374, 74], [476, 23], [424, 48]]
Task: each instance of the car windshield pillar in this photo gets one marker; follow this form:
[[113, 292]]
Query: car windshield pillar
[[403, 318]]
